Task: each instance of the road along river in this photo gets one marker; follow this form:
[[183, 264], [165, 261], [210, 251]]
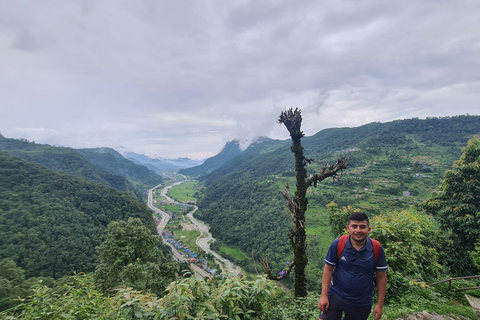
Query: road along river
[[203, 240]]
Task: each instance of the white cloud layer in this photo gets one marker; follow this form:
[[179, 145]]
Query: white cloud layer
[[175, 78]]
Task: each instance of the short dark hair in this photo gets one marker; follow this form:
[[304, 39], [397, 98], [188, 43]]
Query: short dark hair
[[358, 216]]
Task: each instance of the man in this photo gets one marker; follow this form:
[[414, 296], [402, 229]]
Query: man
[[347, 282]]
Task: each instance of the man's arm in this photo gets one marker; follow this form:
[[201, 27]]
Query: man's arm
[[323, 303], [381, 290]]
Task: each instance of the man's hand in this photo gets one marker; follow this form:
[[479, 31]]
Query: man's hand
[[323, 303], [381, 290], [377, 311]]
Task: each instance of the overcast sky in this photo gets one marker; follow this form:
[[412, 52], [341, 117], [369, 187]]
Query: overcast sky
[[174, 78]]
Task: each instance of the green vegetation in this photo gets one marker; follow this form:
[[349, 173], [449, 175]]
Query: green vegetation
[[172, 208], [103, 165], [12, 284], [237, 254], [430, 301], [185, 192], [189, 238], [250, 223], [189, 298], [109, 160], [51, 222], [131, 256], [458, 208]]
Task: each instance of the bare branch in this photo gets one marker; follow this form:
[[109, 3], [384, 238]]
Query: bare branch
[[268, 272], [329, 171], [291, 205], [307, 161]]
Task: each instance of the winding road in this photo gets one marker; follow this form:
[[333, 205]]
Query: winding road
[[203, 240]]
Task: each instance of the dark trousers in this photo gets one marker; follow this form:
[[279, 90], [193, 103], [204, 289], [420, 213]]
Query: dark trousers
[[338, 307]]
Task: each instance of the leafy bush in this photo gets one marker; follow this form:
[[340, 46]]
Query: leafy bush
[[188, 298], [131, 255], [79, 300], [410, 240], [338, 219], [457, 207], [428, 300], [286, 307], [228, 298]]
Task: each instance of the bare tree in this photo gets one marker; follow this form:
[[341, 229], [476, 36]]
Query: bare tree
[[297, 204]]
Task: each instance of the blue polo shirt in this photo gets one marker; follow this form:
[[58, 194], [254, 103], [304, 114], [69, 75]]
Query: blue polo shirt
[[352, 280]]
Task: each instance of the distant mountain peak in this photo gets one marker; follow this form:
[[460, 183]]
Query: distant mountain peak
[[231, 149], [162, 163]]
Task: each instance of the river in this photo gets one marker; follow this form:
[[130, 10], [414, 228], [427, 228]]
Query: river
[[203, 240]]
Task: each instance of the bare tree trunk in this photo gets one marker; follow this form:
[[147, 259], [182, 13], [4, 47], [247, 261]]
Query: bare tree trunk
[[300, 237], [292, 119]]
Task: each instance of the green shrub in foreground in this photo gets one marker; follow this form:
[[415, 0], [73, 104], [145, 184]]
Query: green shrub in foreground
[[188, 298], [228, 298]]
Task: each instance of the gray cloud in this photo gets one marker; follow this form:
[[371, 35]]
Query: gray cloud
[[170, 78]]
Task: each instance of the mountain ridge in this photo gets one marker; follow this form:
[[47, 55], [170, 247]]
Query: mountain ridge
[[161, 164], [231, 150], [110, 160], [73, 162]]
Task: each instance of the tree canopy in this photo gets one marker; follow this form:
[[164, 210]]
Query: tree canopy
[[457, 206], [131, 256]]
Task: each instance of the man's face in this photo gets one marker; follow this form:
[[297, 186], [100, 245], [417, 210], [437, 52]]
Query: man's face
[[358, 230]]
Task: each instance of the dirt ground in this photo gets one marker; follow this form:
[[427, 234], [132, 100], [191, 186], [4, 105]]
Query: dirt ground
[[189, 227]]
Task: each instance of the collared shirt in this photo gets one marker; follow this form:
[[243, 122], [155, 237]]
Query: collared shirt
[[352, 280]]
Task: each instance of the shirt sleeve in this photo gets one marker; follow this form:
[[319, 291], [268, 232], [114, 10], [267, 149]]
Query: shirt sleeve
[[382, 261], [331, 257]]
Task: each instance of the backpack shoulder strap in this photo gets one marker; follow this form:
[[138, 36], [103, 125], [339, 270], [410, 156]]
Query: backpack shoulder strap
[[376, 249], [341, 244], [343, 239]]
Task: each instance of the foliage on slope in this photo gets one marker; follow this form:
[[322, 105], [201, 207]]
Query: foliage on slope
[[413, 242], [252, 222], [110, 160], [228, 157], [457, 206], [66, 160], [131, 255], [231, 150], [51, 222], [189, 298], [12, 284]]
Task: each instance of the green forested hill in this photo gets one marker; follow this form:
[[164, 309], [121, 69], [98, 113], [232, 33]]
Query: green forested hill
[[109, 160], [51, 222], [106, 169], [392, 166]]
